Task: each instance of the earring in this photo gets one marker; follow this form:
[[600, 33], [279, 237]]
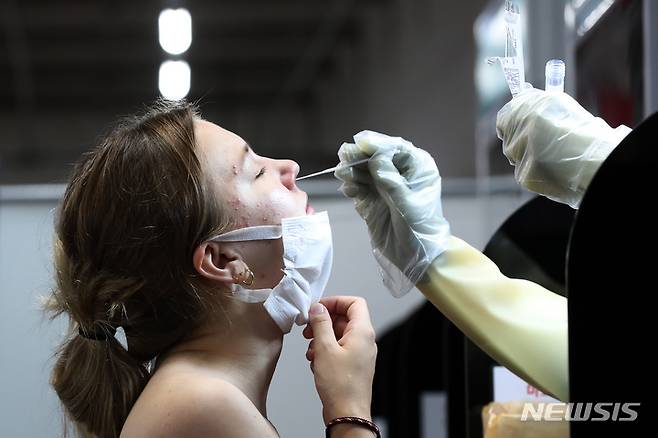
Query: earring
[[237, 278], [243, 268], [250, 279]]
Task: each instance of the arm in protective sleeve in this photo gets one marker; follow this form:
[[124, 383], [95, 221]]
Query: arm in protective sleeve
[[519, 323], [555, 145]]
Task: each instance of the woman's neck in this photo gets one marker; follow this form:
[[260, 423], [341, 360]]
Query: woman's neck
[[244, 351]]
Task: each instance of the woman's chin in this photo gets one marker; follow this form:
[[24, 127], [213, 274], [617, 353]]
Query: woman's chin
[[309, 209]]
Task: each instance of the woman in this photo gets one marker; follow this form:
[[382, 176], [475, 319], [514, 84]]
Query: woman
[[134, 249]]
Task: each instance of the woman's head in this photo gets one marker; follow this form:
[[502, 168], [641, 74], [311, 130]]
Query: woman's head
[[256, 191], [131, 248]]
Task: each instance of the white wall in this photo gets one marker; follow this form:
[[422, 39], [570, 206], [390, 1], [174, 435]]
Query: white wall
[[28, 407]]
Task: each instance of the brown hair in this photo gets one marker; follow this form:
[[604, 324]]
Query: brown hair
[[135, 209]]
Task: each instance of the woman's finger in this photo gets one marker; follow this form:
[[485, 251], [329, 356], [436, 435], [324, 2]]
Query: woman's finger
[[338, 322], [339, 326], [308, 331], [310, 353], [353, 309]]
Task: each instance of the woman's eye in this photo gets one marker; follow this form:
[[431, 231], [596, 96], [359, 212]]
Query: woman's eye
[[262, 171]]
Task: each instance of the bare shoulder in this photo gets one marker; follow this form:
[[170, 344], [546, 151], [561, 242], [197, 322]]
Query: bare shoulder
[[186, 403]]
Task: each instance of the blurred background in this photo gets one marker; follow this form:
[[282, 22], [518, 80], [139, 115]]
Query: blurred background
[[295, 78]]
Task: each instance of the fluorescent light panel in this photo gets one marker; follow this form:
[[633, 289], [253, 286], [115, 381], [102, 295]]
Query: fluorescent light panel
[[174, 79], [175, 30]]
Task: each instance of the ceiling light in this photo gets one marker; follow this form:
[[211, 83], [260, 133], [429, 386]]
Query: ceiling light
[[174, 79], [175, 30]]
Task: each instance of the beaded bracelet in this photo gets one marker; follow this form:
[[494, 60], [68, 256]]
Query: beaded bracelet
[[353, 420]]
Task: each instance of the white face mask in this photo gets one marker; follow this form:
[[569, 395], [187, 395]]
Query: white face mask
[[307, 257]]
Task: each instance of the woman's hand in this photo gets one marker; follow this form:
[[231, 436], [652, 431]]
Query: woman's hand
[[342, 355]]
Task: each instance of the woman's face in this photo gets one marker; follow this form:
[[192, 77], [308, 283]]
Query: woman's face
[[259, 190]]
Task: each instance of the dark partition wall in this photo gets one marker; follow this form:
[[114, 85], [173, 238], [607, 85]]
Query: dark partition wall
[[611, 282]]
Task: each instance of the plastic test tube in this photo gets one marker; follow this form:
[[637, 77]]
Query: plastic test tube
[[555, 70]]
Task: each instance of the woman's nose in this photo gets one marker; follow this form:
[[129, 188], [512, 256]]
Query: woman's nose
[[289, 171]]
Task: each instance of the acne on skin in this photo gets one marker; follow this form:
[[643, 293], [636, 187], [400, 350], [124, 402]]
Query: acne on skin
[[238, 206]]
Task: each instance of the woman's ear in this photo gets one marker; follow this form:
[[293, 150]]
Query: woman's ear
[[218, 262]]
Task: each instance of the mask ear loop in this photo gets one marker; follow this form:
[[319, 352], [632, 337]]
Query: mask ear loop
[[260, 232]]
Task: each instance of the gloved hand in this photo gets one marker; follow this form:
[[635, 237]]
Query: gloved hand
[[555, 144], [398, 194]]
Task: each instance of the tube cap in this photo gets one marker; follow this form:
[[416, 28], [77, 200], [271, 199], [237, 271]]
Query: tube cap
[[555, 71]]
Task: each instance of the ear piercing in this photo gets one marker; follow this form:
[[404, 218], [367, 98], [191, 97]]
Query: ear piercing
[[250, 278], [248, 281]]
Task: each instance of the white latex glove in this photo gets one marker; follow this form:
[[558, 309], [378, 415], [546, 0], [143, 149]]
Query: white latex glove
[[554, 143], [398, 194]]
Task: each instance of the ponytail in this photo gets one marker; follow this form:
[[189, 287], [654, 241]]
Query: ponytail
[[98, 382]]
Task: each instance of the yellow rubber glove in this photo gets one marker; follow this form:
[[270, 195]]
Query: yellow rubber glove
[[518, 323]]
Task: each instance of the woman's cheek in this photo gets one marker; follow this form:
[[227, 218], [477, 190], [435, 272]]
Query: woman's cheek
[[247, 207], [256, 208], [281, 204]]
